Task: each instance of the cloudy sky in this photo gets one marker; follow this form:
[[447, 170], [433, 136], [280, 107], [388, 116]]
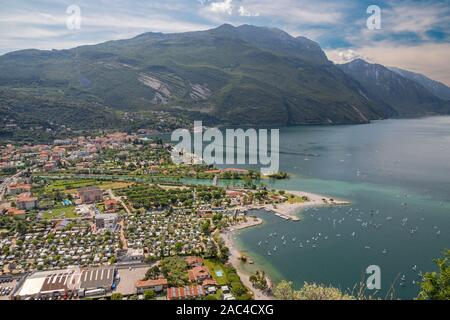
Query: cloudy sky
[[414, 34]]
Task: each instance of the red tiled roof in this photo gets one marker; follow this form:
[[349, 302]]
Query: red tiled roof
[[15, 211], [183, 293], [193, 260], [209, 282], [25, 197], [151, 283], [198, 273]]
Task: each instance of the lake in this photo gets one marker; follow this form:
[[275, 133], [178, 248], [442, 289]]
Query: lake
[[396, 173]]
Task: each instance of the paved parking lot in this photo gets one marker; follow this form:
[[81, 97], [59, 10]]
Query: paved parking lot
[[128, 279], [6, 289]]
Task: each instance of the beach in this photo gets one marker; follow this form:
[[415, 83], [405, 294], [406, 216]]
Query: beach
[[289, 210], [235, 255]]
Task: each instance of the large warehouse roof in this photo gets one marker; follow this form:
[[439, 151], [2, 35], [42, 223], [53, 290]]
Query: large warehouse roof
[[69, 279], [102, 277]]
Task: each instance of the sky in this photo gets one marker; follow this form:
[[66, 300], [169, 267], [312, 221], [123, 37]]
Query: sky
[[409, 34]]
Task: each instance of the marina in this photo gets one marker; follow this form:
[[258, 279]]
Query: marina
[[391, 221]]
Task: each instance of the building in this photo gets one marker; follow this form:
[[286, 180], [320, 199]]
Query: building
[[194, 261], [66, 283], [26, 201], [90, 194], [49, 166], [210, 286], [185, 293], [111, 205], [157, 285], [131, 256], [97, 281], [107, 221], [198, 274], [18, 188]]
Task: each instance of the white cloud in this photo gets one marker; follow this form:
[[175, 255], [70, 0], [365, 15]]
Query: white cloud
[[243, 12], [300, 11], [416, 17], [344, 55], [225, 6]]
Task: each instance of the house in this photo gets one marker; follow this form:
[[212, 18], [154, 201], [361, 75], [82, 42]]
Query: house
[[110, 205], [210, 285], [18, 188], [90, 194], [106, 221], [228, 296], [225, 289], [198, 274], [97, 281], [194, 261], [185, 293], [62, 283], [15, 212], [50, 166], [26, 201], [157, 285]]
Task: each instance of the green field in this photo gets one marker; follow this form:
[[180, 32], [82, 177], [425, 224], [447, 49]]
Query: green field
[[70, 186], [215, 266], [61, 212]]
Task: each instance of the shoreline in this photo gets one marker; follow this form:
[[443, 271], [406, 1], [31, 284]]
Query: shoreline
[[289, 211], [286, 211], [235, 254]]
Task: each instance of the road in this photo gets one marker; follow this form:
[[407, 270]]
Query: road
[[6, 183], [121, 222]]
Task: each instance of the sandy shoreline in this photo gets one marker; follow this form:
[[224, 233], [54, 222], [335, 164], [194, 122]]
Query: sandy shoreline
[[287, 211], [235, 254], [290, 210]]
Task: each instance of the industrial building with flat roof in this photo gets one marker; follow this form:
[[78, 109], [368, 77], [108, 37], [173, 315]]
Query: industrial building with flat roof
[[70, 282]]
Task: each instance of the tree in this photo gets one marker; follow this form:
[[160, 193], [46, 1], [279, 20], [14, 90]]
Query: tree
[[318, 292], [205, 227], [284, 291], [178, 247], [436, 286], [258, 279], [149, 295], [152, 273], [238, 289], [174, 270], [116, 296]]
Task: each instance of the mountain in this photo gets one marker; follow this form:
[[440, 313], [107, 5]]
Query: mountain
[[228, 75], [405, 96], [439, 89]]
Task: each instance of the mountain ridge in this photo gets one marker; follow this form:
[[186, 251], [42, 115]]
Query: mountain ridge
[[229, 75], [405, 96]]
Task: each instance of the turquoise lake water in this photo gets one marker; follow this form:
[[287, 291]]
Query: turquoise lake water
[[396, 173]]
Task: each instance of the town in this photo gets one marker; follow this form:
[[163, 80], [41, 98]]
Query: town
[[112, 217]]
